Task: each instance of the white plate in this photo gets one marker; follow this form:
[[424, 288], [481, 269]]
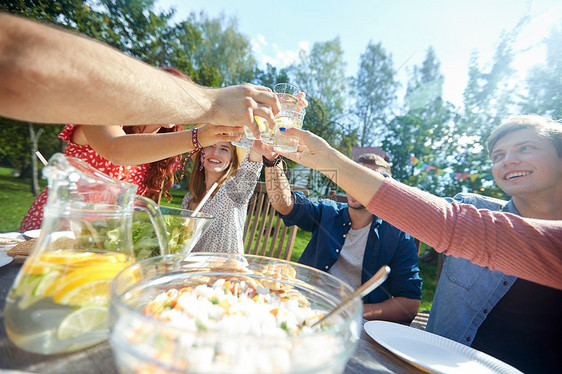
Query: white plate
[[14, 235], [5, 259], [432, 351], [10, 240], [32, 233]]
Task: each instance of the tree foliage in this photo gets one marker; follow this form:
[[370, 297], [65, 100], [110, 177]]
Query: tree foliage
[[374, 90], [270, 76], [362, 110], [224, 48], [424, 130], [545, 80], [489, 98], [321, 74]]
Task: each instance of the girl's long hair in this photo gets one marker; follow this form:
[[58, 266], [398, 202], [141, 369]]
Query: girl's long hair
[[160, 176], [197, 183]]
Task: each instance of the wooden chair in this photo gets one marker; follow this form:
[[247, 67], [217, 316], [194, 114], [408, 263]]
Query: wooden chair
[[265, 234], [337, 198]]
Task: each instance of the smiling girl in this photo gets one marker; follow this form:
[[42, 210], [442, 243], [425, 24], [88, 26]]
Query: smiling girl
[[237, 176]]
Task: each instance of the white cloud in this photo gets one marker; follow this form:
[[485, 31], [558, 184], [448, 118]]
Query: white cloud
[[287, 57], [261, 40], [304, 45], [276, 56], [257, 43], [256, 47]]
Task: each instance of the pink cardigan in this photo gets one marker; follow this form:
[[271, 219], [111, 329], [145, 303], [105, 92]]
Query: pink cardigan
[[524, 247]]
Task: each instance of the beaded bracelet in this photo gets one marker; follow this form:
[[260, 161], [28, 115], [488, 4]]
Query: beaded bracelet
[[270, 164], [194, 139], [197, 147]]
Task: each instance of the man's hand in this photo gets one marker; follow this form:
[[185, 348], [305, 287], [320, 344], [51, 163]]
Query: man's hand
[[265, 150], [259, 149], [237, 106], [313, 151], [211, 134]]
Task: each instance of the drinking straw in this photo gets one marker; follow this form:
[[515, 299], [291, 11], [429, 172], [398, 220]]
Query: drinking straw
[[205, 198], [41, 158]]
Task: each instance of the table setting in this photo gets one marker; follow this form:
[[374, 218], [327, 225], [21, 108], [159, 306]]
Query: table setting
[[80, 296]]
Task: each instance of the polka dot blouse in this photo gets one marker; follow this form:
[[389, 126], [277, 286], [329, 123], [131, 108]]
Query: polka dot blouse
[[229, 207]]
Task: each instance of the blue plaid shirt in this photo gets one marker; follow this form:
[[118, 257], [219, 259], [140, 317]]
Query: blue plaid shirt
[[329, 223]]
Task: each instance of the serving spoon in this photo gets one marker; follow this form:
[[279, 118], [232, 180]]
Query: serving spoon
[[375, 281]]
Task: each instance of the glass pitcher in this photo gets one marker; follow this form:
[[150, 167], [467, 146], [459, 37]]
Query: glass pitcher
[[59, 300]]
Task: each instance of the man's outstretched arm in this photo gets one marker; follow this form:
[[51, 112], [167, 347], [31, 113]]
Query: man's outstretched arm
[[48, 75]]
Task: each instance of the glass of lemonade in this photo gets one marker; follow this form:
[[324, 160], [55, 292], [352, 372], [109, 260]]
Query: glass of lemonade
[[287, 119], [265, 132], [60, 298], [287, 95]]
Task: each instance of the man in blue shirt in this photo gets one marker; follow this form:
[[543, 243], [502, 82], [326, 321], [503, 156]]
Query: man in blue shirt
[[352, 244]]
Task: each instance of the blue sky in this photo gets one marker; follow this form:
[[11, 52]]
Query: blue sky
[[279, 29]]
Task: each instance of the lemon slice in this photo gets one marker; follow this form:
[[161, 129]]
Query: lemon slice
[[35, 268], [27, 284], [25, 290], [262, 123], [55, 260], [46, 281], [85, 286], [83, 320], [92, 293], [65, 257]]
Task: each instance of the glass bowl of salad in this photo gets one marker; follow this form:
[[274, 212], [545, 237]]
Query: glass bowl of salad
[[230, 313], [182, 227]]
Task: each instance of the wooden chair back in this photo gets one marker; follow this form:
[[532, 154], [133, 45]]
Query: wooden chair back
[[265, 234], [337, 198]]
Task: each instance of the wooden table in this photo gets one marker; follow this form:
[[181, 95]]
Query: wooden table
[[370, 357]]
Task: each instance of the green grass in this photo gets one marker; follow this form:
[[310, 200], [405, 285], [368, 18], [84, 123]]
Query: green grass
[[16, 198], [429, 274]]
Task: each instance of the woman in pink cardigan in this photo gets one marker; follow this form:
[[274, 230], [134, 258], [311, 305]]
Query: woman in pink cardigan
[[523, 247]]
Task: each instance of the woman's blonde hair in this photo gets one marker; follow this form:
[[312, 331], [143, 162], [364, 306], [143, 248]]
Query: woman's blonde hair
[[197, 183]]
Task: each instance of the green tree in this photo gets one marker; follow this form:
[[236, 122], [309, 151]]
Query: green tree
[[320, 73], [129, 25], [270, 76], [489, 98], [545, 80], [223, 47], [423, 131], [374, 90]]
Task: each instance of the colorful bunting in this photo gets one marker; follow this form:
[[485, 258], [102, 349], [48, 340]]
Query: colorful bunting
[[454, 175]]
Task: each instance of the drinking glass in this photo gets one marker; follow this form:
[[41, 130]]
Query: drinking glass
[[287, 119], [265, 132], [287, 95], [243, 142]]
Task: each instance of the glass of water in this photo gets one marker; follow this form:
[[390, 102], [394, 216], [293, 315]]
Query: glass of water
[[287, 119], [266, 133], [287, 95]]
